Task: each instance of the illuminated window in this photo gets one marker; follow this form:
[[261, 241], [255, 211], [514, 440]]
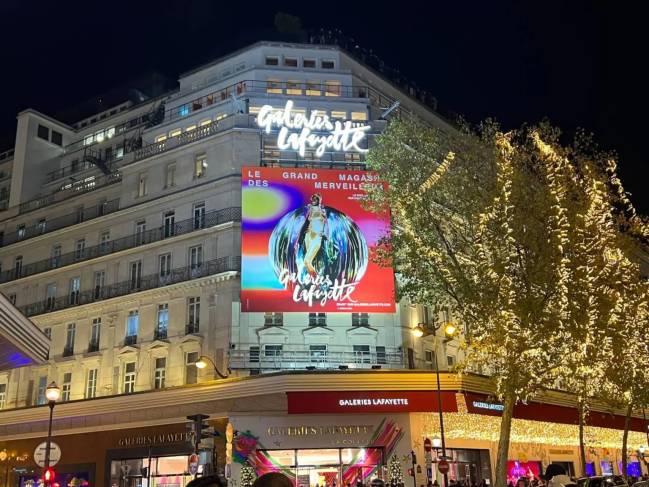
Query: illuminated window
[[88, 139], [159, 373], [359, 116], [313, 88], [200, 166], [129, 378], [99, 136], [110, 132], [183, 111], [338, 114], [170, 179], [293, 88], [327, 64], [332, 88], [273, 86], [253, 110], [3, 395], [221, 116], [175, 133], [190, 128], [161, 138], [308, 63], [66, 386], [91, 383], [272, 61], [290, 62], [191, 371], [352, 157], [205, 122]]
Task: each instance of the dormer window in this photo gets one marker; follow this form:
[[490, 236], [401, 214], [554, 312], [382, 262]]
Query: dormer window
[[272, 61], [291, 62], [327, 64], [308, 63]]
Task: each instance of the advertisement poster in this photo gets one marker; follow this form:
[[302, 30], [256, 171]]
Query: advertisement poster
[[307, 243]]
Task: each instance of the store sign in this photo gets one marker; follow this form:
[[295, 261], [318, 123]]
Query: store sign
[[307, 430], [308, 243], [317, 131], [161, 439], [488, 405], [368, 402]]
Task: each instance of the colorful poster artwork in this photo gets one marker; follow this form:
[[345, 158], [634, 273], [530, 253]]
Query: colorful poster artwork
[[308, 243]]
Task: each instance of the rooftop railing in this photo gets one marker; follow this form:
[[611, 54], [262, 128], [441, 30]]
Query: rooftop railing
[[135, 285], [209, 219]]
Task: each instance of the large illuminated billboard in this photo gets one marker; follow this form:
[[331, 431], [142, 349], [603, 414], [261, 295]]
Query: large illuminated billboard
[[308, 243]]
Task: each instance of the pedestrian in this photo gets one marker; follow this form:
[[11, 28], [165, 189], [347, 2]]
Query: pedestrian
[[207, 481], [271, 479]]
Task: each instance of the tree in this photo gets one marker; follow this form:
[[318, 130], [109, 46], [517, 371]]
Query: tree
[[504, 229], [248, 475], [395, 471]]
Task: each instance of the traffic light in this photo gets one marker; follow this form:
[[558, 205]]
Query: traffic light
[[202, 433], [48, 476]]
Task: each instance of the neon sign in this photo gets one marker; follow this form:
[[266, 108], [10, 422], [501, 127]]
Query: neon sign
[[317, 131]]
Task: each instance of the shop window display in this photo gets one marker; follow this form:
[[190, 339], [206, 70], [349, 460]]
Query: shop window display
[[168, 471]]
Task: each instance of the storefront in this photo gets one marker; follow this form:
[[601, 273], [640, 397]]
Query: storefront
[[154, 456]]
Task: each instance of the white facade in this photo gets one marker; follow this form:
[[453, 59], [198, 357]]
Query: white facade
[[121, 239]]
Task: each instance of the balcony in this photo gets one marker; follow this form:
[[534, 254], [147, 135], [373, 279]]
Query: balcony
[[299, 357], [68, 351], [153, 281], [212, 218], [85, 185], [93, 346], [160, 334], [41, 228], [191, 328], [130, 340]]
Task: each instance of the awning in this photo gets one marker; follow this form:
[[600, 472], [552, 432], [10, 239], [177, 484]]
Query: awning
[[21, 342]]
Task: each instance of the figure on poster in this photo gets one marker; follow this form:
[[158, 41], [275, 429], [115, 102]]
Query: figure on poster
[[313, 232]]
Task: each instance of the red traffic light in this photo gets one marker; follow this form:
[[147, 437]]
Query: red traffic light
[[48, 475]]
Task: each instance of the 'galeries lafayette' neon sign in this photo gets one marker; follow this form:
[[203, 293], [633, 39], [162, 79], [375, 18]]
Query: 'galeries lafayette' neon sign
[[297, 131]]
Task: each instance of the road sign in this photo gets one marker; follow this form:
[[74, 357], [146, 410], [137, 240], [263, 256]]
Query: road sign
[[428, 445], [193, 464], [443, 467], [40, 451]]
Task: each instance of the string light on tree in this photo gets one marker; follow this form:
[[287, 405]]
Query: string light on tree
[[248, 475], [395, 471]]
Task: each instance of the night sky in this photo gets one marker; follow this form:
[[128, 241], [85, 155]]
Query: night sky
[[578, 63]]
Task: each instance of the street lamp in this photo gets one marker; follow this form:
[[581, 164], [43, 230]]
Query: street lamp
[[203, 361], [52, 393], [449, 330]]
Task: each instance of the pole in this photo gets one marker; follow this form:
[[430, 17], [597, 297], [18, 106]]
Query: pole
[[49, 436], [414, 469], [441, 417]]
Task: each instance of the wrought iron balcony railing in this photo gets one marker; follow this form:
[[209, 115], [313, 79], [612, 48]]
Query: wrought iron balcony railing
[[130, 340], [299, 357], [191, 328], [160, 334], [47, 226], [152, 281], [68, 351], [210, 219], [93, 346]]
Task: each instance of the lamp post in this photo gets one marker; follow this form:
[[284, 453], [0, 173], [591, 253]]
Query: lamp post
[[203, 362], [52, 393], [449, 330]]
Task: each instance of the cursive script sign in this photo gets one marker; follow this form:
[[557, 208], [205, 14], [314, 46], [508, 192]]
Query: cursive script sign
[[318, 288], [317, 131]]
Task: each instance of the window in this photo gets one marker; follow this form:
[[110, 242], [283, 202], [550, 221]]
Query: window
[[56, 256], [80, 249], [199, 216], [12, 298], [362, 354], [291, 62], [195, 257], [48, 332], [327, 64], [200, 166], [273, 319], [183, 110], [317, 319], [273, 351], [359, 116], [163, 321], [3, 395], [161, 138], [332, 88], [164, 265], [204, 123], [79, 214], [75, 286], [43, 132], [57, 138], [18, 266], [175, 132], [132, 323], [380, 355], [142, 185], [50, 296], [95, 335], [140, 228], [169, 224], [273, 86], [21, 231], [191, 371], [91, 383], [193, 314], [136, 274], [69, 339], [99, 281], [42, 224], [40, 391], [254, 354], [450, 360], [272, 61], [318, 353], [336, 114], [104, 242], [67, 385], [360, 319], [159, 373], [293, 87], [190, 128], [170, 179], [129, 378], [308, 63]]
